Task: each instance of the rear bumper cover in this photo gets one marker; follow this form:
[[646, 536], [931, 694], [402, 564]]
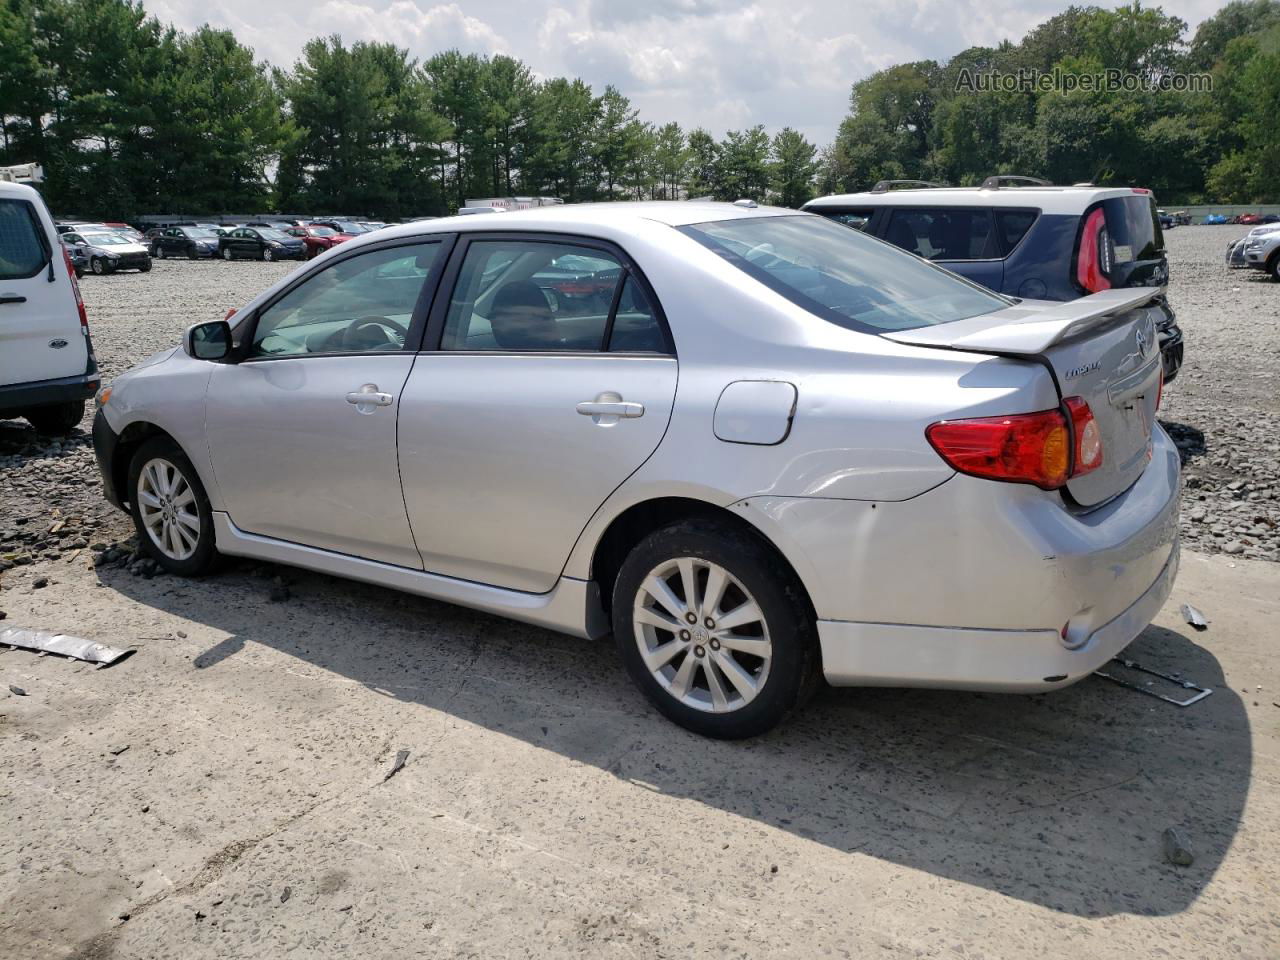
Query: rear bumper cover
[[16, 397], [1003, 661]]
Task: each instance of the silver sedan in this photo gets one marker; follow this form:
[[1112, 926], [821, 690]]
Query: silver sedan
[[756, 446]]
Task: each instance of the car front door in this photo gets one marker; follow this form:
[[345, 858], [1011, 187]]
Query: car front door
[[302, 430], [552, 383]]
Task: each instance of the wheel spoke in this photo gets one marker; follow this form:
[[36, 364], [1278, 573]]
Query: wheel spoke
[[186, 539], [189, 520], [656, 618], [659, 657], [716, 582], [743, 681], [752, 645], [154, 522], [689, 579], [719, 699], [148, 499], [659, 590], [739, 616], [683, 679], [185, 497]]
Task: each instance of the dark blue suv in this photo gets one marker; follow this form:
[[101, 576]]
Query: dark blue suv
[[1039, 242]]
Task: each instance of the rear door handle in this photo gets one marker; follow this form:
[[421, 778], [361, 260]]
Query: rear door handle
[[368, 397], [12, 298], [621, 408], [609, 407]]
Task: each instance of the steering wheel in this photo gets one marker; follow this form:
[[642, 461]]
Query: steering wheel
[[353, 337]]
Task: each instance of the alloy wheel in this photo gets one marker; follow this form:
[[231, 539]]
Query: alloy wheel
[[702, 635], [267, 255], [97, 266], [226, 253], [167, 505]]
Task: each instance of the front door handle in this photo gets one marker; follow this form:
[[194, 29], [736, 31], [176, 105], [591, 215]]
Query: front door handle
[[12, 298], [368, 397], [609, 407]]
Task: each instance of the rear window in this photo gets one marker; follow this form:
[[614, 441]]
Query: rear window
[[843, 276], [943, 234], [1134, 227], [22, 252]]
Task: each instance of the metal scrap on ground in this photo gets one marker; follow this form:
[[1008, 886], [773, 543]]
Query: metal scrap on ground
[[1194, 617], [77, 648], [401, 757], [1201, 692]]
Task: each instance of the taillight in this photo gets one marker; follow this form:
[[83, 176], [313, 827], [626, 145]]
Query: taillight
[[1023, 448], [1094, 258], [230, 313], [1087, 436], [1036, 448], [75, 288]]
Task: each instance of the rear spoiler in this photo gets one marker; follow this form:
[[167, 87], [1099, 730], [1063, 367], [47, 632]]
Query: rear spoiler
[[1031, 327]]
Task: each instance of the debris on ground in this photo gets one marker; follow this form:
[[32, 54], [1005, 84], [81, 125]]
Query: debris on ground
[[1177, 850], [1194, 617], [401, 757], [17, 691], [118, 749], [76, 648], [285, 894]]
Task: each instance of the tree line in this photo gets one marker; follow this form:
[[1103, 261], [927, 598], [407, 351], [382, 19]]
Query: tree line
[[925, 120], [129, 116]]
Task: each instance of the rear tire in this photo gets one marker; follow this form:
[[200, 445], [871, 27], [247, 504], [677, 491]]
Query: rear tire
[[170, 509], [731, 679], [226, 253], [158, 253], [57, 420]]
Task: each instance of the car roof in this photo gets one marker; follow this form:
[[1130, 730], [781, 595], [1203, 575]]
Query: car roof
[[1064, 200], [590, 217]]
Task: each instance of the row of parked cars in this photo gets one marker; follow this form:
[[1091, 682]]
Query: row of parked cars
[[106, 247], [1241, 219]]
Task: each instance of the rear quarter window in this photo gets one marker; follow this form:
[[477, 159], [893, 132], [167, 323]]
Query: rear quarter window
[[22, 250], [1012, 226]]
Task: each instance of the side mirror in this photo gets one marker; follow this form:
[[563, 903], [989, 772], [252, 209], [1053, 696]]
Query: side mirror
[[208, 341]]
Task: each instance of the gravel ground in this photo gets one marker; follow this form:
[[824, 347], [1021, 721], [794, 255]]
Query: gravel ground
[[1223, 410]]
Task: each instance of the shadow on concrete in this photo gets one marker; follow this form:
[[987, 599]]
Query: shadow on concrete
[[1057, 799]]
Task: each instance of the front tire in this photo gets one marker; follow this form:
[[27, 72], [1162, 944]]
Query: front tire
[[159, 253], [144, 267], [57, 420], [98, 266], [170, 509], [1273, 267], [226, 253], [267, 255], [193, 253], [735, 660]]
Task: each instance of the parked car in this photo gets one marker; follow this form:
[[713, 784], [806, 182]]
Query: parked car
[[116, 226], [373, 224], [1039, 242], [861, 445], [108, 252], [76, 256], [1247, 219], [47, 365], [190, 242], [1167, 220], [260, 243], [1262, 252], [1236, 249], [1214, 219], [284, 226], [349, 227], [317, 237]]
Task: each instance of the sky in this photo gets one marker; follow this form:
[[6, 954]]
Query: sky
[[710, 63]]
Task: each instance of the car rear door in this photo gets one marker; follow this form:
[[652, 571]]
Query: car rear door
[[531, 405], [41, 337]]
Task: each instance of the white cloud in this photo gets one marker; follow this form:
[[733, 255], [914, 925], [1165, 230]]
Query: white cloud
[[712, 63]]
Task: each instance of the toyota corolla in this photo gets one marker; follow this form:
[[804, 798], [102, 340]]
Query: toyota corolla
[[771, 450]]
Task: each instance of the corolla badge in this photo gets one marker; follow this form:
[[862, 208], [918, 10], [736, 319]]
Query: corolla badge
[[1081, 370], [57, 343]]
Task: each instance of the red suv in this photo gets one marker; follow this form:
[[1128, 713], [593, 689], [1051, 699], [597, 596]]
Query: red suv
[[318, 237]]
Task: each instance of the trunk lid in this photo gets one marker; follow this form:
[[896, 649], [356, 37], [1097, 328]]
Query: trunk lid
[[1101, 347]]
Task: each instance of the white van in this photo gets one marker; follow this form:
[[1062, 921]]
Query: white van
[[47, 366]]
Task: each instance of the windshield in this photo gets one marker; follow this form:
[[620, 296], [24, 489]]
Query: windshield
[[269, 234], [842, 275], [106, 239], [349, 227]]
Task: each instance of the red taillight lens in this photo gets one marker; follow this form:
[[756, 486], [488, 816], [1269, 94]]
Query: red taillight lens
[[1094, 254], [1035, 448], [1023, 448], [75, 288], [230, 313], [1087, 436]]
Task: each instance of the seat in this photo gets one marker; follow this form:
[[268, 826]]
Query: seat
[[521, 318]]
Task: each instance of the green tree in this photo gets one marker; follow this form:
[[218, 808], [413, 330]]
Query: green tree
[[704, 171], [744, 165], [792, 168]]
